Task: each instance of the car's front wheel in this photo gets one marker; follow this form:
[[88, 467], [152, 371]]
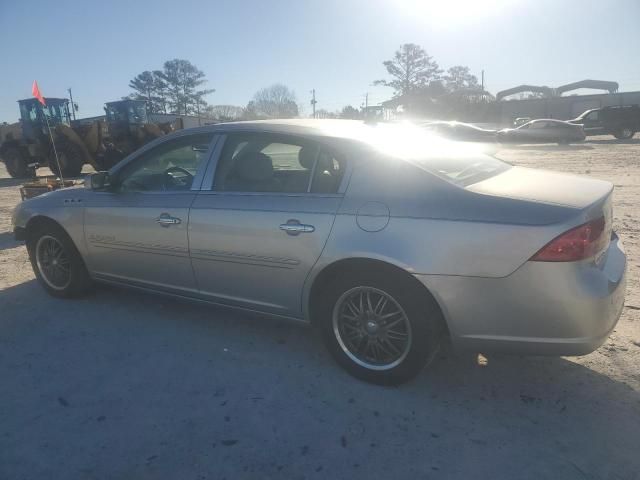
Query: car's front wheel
[[380, 326], [56, 262]]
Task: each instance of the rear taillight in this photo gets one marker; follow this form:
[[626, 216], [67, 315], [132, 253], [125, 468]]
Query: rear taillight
[[578, 243]]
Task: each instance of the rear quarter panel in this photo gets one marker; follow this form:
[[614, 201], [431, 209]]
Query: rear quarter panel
[[435, 227]]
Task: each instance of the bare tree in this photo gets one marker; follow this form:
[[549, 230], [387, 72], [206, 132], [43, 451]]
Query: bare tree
[[411, 70], [276, 101], [350, 112], [224, 113], [323, 113]]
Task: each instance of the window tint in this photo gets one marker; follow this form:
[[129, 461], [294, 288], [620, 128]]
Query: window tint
[[275, 163], [168, 167]]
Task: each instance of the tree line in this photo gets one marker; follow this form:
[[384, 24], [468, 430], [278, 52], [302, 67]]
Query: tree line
[[177, 89], [418, 83]]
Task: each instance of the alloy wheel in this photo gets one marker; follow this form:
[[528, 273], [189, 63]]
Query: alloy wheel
[[372, 328], [53, 262]]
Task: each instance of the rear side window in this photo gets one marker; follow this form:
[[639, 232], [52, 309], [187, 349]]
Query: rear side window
[[270, 163]]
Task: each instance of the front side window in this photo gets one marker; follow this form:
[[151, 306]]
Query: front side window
[[593, 116], [255, 163], [170, 166]]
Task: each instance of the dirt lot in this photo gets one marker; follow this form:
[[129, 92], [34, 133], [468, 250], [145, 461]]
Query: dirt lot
[[122, 385]]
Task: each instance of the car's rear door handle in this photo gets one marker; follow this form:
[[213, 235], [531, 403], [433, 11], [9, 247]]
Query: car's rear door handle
[[294, 227], [166, 220]]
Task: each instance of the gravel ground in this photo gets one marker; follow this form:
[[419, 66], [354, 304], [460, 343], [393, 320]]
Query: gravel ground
[[123, 385]]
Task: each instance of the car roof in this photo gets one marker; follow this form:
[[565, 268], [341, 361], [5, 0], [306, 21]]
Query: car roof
[[317, 127], [356, 131], [552, 120]]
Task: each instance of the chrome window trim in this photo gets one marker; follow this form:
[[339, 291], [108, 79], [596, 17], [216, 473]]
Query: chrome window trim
[[209, 176], [271, 194]]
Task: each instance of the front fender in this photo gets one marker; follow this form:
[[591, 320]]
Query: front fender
[[64, 207]]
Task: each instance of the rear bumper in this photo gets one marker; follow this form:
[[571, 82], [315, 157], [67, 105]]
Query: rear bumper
[[540, 309]]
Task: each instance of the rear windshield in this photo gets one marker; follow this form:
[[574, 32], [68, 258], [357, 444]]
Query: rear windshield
[[463, 171], [462, 163]]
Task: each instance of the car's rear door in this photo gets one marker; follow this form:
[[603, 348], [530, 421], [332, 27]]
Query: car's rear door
[[136, 231], [264, 220]]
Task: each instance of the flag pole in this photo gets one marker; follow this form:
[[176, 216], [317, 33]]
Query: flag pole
[[35, 91], [55, 151]]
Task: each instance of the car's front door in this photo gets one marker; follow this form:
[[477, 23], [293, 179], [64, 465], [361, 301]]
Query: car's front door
[[136, 230], [593, 123], [256, 234]]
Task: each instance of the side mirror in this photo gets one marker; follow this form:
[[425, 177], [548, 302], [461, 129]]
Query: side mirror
[[97, 181]]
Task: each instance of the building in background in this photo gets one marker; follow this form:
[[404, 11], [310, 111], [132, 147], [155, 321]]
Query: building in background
[[546, 102]]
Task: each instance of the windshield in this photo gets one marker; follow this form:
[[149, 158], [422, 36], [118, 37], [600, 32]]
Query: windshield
[[586, 114], [57, 113], [130, 112], [115, 114], [137, 113]]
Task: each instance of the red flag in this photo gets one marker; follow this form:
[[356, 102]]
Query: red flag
[[35, 91]]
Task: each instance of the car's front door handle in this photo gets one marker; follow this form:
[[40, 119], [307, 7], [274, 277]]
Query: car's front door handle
[[294, 227], [166, 220]]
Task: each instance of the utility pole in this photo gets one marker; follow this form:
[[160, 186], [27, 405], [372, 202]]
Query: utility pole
[[313, 102], [483, 80], [73, 105], [366, 105]]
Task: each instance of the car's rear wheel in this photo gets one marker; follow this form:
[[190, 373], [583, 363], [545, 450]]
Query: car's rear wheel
[[56, 262], [625, 133], [380, 327]]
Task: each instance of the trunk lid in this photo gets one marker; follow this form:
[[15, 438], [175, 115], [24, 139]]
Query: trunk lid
[[578, 199], [543, 186]]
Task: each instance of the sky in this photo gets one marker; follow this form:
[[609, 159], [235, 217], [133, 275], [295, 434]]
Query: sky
[[333, 46]]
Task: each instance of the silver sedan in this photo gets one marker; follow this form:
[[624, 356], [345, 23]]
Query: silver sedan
[[389, 240], [543, 131]]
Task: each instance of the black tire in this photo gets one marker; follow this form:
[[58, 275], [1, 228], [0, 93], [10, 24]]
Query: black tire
[[70, 158], [79, 281], [17, 166], [425, 330], [624, 133]]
